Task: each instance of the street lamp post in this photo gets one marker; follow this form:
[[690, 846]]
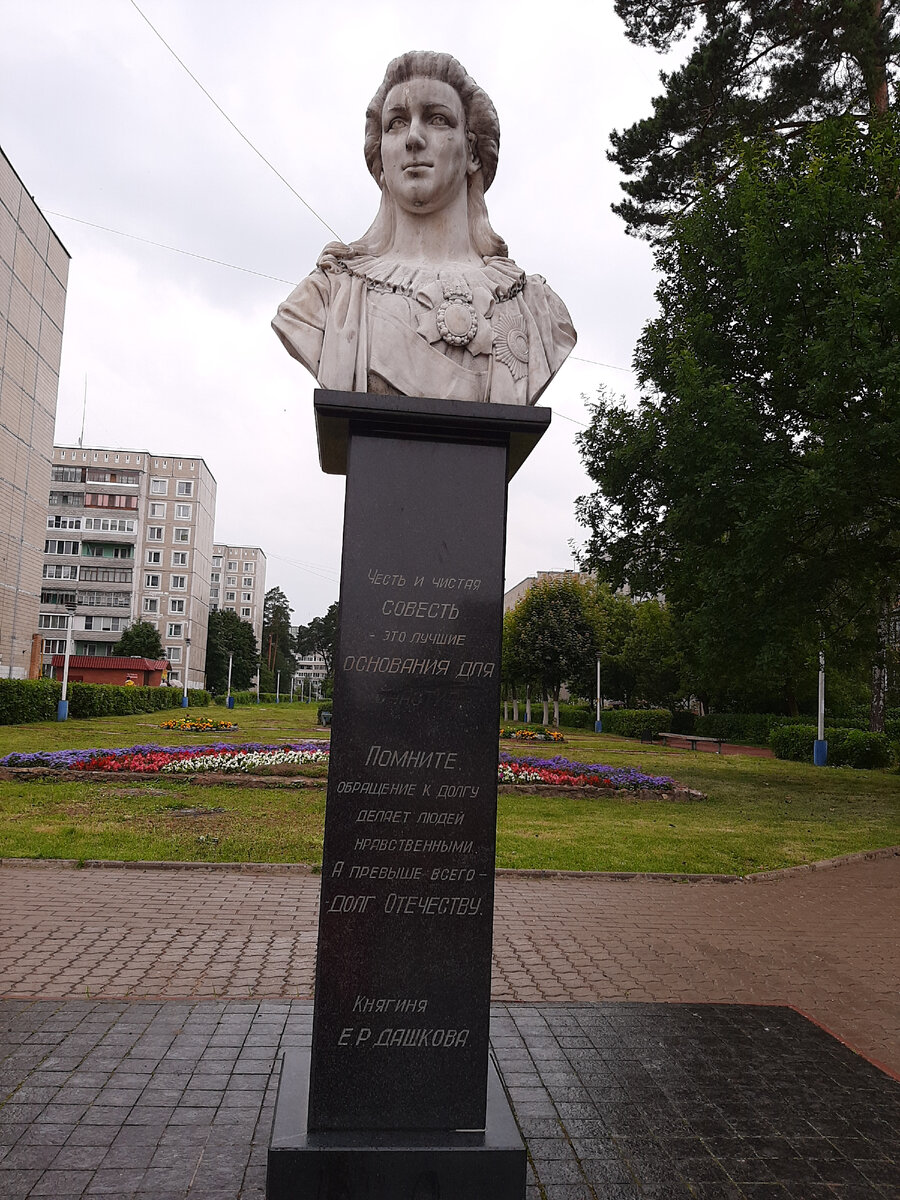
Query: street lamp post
[[62, 708], [278, 687], [820, 749], [187, 667], [598, 724], [229, 703]]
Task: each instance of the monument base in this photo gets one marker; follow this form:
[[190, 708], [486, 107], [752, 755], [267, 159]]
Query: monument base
[[371, 1165]]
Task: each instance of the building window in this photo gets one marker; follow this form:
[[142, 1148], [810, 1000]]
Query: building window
[[109, 524], [151, 604], [108, 500], [53, 621], [245, 612], [179, 558], [52, 546], [64, 522], [175, 630], [217, 560], [154, 557], [151, 581], [215, 577], [248, 566], [231, 581], [174, 676], [67, 474], [182, 512], [106, 624], [184, 487], [173, 654], [154, 533], [213, 593], [181, 535], [176, 606], [157, 510], [232, 566], [159, 487], [245, 596], [67, 499], [247, 582], [178, 583], [53, 646], [230, 596], [60, 571]]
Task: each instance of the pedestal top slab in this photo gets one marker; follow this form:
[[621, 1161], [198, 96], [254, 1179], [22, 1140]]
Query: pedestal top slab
[[419, 416]]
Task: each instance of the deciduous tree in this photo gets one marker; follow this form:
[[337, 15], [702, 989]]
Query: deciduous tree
[[228, 633], [757, 484], [141, 640]]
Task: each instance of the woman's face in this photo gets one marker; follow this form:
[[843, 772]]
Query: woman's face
[[425, 153]]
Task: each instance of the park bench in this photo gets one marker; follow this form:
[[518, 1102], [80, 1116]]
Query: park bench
[[692, 738]]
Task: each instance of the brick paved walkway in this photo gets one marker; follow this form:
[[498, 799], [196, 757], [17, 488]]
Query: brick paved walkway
[[825, 941]]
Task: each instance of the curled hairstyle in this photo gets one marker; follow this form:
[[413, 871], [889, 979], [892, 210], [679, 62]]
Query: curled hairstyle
[[482, 126]]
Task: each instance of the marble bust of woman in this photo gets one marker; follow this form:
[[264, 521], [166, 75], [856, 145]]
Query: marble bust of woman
[[426, 302]]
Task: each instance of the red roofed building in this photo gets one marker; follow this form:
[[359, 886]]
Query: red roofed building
[[84, 668]]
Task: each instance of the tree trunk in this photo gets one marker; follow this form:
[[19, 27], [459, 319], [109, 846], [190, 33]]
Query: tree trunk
[[546, 709], [556, 710], [879, 670], [528, 706], [516, 707], [505, 710]]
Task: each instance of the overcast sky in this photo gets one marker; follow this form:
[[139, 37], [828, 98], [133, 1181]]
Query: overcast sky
[[103, 125]]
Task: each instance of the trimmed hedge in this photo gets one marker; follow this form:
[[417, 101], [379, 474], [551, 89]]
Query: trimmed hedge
[[26, 700], [576, 716], [635, 722], [857, 748]]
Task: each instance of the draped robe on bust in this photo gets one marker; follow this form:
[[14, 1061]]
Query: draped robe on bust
[[360, 323]]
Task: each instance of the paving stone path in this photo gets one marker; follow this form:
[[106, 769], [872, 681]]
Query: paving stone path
[[824, 941]]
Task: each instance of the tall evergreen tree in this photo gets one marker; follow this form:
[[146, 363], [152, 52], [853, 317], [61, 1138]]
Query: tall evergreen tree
[[771, 67], [277, 644]]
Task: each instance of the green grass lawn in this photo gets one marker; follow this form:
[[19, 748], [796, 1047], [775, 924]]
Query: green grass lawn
[[760, 813]]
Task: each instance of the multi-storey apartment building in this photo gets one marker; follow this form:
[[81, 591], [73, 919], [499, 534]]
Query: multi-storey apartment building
[[34, 268], [129, 537], [238, 582]]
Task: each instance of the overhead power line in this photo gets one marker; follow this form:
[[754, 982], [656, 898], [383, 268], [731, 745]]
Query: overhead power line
[[238, 131], [174, 249]]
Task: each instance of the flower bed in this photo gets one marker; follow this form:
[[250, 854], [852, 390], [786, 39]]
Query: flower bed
[[152, 758], [190, 725], [532, 735], [253, 757], [567, 773]]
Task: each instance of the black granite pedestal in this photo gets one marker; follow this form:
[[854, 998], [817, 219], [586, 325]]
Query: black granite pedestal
[[398, 1100]]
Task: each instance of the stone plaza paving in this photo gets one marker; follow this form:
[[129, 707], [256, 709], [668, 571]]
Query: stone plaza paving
[[647, 1030]]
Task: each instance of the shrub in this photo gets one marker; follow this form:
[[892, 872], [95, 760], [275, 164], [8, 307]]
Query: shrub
[[634, 722], [25, 700], [238, 698], [846, 747], [862, 749], [683, 721], [577, 716]]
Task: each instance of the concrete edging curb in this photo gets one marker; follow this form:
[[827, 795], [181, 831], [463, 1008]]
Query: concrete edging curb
[[610, 876]]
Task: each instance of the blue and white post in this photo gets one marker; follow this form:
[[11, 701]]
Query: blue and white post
[[62, 708], [598, 724], [820, 747], [187, 666], [229, 703]]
